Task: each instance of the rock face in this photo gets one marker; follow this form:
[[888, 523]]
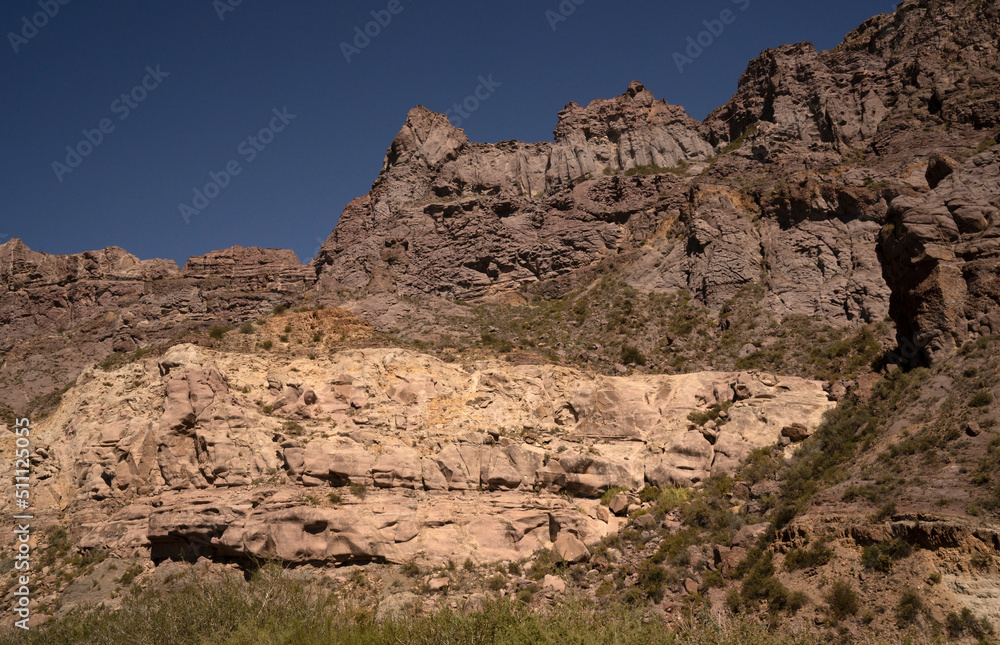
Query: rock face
[[451, 459], [59, 314], [929, 61], [630, 131], [941, 256], [787, 185], [253, 268], [466, 220]]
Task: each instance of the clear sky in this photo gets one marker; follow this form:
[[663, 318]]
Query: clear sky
[[217, 70]]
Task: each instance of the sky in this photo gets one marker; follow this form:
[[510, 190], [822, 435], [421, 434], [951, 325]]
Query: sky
[[175, 128]]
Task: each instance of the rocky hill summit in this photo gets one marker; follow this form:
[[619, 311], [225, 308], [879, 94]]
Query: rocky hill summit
[[740, 366]]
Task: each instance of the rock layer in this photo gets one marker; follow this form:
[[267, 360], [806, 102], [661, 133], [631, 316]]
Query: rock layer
[[236, 456]]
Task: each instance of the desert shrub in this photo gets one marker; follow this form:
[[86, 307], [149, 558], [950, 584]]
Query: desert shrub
[[885, 512], [410, 569], [631, 354], [279, 309], [966, 624], [218, 331], [116, 360], [909, 608], [272, 609], [843, 600], [652, 169], [760, 583], [246, 328], [545, 563], [712, 414], [816, 555], [981, 399], [652, 580], [501, 345], [130, 574], [335, 498], [293, 428], [611, 493], [267, 345], [649, 494], [882, 555], [359, 490]]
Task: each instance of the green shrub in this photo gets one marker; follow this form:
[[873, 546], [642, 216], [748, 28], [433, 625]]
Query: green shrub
[[652, 580], [843, 600], [966, 624], [611, 493], [410, 569], [882, 555], [218, 331], [712, 414], [335, 498], [246, 328], [816, 555], [131, 574], [267, 345], [981, 399], [501, 345], [909, 608], [760, 583], [632, 355], [359, 490], [279, 309]]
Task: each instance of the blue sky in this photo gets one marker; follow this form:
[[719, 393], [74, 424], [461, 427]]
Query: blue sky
[[215, 73]]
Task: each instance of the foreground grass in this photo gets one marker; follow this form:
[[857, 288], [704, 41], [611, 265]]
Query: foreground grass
[[272, 609]]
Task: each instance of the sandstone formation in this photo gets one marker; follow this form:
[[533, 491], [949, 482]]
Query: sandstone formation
[[234, 456]]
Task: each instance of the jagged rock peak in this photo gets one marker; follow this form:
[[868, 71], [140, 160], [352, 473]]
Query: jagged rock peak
[[427, 136]]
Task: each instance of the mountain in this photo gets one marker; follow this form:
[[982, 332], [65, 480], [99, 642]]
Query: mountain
[[738, 366]]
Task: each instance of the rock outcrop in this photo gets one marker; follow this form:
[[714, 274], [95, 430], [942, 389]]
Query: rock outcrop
[[941, 255], [236, 456], [467, 220], [61, 313]]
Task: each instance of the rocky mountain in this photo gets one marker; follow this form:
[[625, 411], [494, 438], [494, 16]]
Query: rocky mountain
[[648, 359]]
